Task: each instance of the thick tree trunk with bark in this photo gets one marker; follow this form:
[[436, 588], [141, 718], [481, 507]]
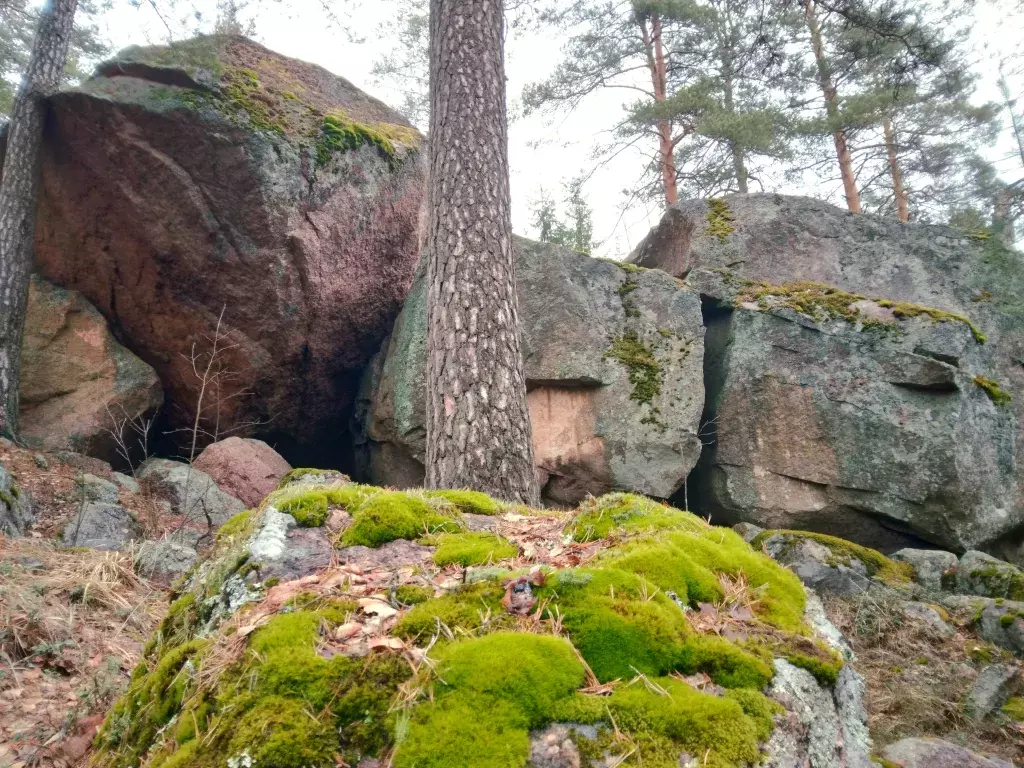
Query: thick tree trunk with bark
[[659, 80], [478, 422], [828, 90], [19, 187], [902, 209]]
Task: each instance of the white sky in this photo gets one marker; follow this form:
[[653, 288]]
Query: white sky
[[542, 153]]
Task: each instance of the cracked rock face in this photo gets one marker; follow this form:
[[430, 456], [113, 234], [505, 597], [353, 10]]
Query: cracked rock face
[[180, 184], [613, 361], [858, 418]]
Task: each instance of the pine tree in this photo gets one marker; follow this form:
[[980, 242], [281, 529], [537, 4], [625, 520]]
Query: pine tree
[[19, 187], [478, 422], [19, 20], [714, 67]]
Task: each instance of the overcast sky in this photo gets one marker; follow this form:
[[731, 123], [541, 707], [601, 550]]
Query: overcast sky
[[542, 152]]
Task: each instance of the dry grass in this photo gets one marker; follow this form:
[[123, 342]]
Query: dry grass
[[917, 677], [72, 625]]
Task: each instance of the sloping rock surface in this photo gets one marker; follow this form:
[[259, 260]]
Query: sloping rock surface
[[864, 376], [216, 184], [77, 381], [613, 362]]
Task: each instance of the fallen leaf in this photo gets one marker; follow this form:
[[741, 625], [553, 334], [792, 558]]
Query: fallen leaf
[[389, 643], [376, 607]]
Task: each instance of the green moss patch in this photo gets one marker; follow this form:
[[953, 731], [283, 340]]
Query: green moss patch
[[464, 610], [666, 717], [411, 594], [467, 549], [645, 372], [719, 219], [236, 525], [471, 502], [625, 513], [282, 704], [1014, 709], [826, 302], [394, 515], [491, 691], [996, 394]]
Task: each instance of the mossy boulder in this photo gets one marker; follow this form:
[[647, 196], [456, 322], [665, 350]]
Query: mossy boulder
[[862, 374], [650, 655], [613, 359], [214, 181]]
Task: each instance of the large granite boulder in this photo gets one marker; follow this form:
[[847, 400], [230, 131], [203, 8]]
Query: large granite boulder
[[613, 360], [77, 382], [214, 185], [864, 376], [190, 491]]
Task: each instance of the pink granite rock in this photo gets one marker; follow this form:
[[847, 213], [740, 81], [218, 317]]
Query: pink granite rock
[[245, 468]]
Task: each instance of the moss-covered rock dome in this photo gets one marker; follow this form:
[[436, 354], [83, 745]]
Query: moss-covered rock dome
[[344, 622]]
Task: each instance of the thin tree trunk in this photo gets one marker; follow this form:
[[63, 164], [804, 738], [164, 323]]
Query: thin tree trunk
[[902, 209], [828, 90], [478, 421], [19, 188], [659, 80], [739, 166]]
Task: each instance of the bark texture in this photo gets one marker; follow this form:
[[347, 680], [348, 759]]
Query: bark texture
[[19, 187], [828, 91], [478, 425]]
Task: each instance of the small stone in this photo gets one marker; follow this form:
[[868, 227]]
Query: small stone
[[994, 685], [101, 526], [41, 461], [126, 482], [98, 489], [930, 616], [164, 560], [748, 531], [930, 565]]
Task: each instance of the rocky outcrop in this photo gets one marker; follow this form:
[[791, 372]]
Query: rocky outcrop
[[244, 468], [77, 382], [880, 402], [218, 185], [613, 361], [408, 662]]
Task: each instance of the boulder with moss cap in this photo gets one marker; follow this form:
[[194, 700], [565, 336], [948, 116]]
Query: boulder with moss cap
[[862, 374], [214, 184], [328, 664]]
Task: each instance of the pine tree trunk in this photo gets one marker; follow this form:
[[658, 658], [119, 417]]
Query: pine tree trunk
[[656, 64], [739, 166], [828, 90], [478, 421], [902, 209], [19, 188]]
